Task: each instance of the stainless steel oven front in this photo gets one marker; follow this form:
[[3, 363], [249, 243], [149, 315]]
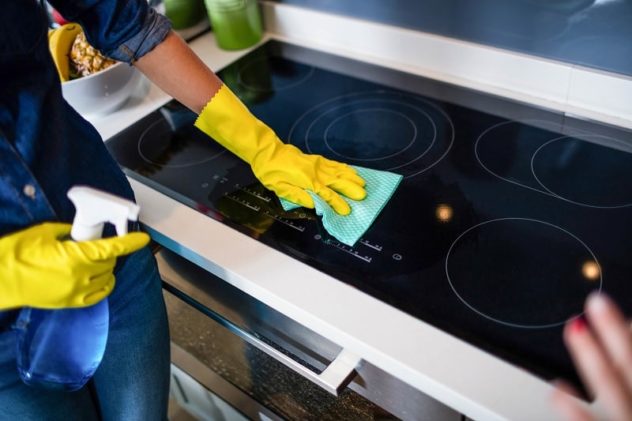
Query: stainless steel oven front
[[268, 366]]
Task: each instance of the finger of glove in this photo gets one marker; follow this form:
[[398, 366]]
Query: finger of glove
[[294, 194], [348, 188], [106, 283], [56, 229], [342, 170], [98, 270], [352, 177], [107, 248], [334, 200], [90, 287], [349, 173], [89, 278]]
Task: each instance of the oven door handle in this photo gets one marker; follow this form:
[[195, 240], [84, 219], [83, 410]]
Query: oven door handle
[[333, 379]]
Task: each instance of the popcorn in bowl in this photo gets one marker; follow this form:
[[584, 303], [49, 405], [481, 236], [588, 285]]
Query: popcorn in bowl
[[91, 82], [85, 59]]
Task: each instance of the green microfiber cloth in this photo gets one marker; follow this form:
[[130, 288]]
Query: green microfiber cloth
[[380, 186]]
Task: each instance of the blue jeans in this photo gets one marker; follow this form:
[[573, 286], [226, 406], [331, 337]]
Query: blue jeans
[[132, 382]]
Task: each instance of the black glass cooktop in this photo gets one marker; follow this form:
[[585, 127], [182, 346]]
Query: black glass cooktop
[[507, 217]]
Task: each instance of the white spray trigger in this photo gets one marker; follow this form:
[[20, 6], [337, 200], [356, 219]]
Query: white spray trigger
[[94, 208]]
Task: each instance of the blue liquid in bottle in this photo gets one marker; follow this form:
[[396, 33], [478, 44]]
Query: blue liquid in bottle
[[61, 349]]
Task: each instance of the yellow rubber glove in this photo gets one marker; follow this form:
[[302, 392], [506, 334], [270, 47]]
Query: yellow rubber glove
[[282, 168], [41, 267]]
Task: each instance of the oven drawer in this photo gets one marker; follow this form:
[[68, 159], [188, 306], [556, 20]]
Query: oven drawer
[[218, 332]]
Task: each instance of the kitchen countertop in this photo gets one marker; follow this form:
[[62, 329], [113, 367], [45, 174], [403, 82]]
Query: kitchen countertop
[[444, 367], [148, 97]]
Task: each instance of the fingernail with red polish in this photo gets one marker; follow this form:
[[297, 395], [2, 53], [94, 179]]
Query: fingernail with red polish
[[578, 325]]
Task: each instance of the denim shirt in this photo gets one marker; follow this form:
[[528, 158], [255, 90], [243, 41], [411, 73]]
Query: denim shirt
[[46, 147]]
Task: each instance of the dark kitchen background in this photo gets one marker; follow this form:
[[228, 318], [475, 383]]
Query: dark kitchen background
[[591, 33]]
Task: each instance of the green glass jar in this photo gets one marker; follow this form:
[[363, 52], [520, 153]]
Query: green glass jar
[[235, 23], [184, 13]]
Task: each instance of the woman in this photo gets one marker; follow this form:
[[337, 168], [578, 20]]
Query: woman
[[46, 147]]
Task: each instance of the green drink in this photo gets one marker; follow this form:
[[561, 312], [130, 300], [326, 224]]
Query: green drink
[[236, 23]]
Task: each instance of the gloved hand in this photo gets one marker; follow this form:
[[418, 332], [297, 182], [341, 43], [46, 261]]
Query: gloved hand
[[39, 268], [281, 168]]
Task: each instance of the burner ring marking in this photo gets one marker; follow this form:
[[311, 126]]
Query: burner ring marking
[[510, 324], [412, 124]]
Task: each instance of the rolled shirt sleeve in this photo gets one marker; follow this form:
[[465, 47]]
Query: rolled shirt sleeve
[[124, 30]]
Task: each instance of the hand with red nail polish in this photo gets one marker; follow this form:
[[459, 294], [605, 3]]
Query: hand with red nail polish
[[602, 354]]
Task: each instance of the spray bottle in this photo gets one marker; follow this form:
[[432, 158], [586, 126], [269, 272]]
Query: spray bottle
[[61, 349]]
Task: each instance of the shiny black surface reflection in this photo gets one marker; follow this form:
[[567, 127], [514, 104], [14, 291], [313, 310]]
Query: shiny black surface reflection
[[483, 238]]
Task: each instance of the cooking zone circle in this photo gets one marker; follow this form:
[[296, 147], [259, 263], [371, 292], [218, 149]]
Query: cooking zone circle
[[161, 146], [522, 272], [543, 161], [602, 184], [383, 130], [340, 125]]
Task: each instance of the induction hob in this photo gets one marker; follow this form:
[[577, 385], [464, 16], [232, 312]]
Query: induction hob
[[507, 216]]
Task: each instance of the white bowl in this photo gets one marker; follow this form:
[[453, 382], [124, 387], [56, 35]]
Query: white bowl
[[102, 92]]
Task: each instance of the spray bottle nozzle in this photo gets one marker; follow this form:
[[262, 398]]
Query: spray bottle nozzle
[[94, 208]]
